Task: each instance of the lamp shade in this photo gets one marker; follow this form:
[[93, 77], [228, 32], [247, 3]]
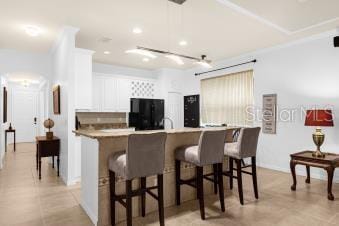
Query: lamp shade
[[319, 118]]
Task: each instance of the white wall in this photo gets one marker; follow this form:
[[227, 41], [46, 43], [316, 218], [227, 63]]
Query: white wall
[[303, 74], [119, 70], [63, 75], [15, 61]]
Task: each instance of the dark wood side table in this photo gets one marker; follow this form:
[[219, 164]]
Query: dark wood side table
[[47, 148], [329, 163], [9, 131]]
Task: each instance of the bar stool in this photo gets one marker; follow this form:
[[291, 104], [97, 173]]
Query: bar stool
[[209, 151], [145, 156], [245, 147]]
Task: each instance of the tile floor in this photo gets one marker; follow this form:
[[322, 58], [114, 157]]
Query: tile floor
[[26, 201]]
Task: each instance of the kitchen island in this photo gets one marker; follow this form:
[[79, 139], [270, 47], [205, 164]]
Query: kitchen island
[[97, 146]]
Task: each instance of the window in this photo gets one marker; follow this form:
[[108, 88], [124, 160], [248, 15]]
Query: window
[[226, 99]]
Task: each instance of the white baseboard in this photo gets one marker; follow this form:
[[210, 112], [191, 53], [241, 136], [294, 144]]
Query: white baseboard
[[318, 174], [73, 181], [90, 214]]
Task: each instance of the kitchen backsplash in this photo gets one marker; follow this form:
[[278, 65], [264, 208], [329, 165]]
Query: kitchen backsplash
[[101, 120]]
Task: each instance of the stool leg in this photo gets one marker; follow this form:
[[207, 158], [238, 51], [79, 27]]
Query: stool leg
[[112, 195], [143, 196], [231, 172], [200, 191], [161, 199], [254, 177], [177, 181], [239, 177], [221, 187], [215, 178], [129, 202]]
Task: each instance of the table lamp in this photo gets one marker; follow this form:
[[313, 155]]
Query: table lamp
[[49, 123], [319, 118]]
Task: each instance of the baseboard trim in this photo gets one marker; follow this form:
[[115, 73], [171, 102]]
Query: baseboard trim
[[90, 214], [319, 174], [73, 181]]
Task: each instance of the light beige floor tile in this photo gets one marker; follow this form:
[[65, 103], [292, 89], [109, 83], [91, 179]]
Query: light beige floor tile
[[25, 200]]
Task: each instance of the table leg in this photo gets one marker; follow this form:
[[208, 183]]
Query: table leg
[[39, 167], [58, 163], [37, 159], [292, 165], [53, 161], [14, 141], [330, 171], [5, 141], [308, 179]]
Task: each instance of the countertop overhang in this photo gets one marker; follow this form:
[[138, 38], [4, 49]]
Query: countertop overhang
[[97, 134]]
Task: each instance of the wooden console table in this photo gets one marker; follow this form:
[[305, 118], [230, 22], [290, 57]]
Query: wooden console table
[[9, 131], [47, 148], [329, 163]]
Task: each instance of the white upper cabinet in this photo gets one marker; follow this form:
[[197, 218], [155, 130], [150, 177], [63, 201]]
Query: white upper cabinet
[[83, 79], [97, 93], [110, 102], [123, 95], [111, 93]]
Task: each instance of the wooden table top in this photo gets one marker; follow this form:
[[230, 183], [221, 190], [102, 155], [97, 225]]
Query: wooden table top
[[307, 155], [43, 138]]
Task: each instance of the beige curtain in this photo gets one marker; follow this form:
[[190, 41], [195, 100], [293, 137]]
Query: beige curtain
[[227, 99]]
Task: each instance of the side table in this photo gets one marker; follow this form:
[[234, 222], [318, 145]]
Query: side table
[[329, 163], [47, 148], [9, 131]]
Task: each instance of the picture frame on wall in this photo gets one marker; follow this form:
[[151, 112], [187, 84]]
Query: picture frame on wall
[[269, 121], [4, 105], [56, 100]]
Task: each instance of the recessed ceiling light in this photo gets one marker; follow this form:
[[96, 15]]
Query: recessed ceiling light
[[107, 52], [183, 43], [137, 30], [145, 59], [32, 30]]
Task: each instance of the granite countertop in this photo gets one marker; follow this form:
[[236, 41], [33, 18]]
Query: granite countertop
[[97, 134]]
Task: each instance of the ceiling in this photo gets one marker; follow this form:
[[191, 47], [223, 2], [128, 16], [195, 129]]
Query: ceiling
[[217, 28]]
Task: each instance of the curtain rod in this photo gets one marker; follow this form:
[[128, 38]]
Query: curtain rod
[[219, 69]]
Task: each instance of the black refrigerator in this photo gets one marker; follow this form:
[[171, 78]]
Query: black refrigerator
[[191, 111], [146, 114]]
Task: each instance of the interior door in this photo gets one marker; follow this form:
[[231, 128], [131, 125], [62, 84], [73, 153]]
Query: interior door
[[175, 110], [24, 114]]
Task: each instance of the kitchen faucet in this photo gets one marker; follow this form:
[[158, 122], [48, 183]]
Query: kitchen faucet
[[169, 119]]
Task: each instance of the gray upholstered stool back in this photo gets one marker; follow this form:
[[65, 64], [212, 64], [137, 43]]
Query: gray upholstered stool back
[[248, 142], [211, 147], [145, 155]]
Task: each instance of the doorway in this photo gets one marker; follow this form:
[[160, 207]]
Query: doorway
[[175, 109], [24, 113]]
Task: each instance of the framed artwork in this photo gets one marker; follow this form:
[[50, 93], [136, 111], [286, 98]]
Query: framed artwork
[[269, 120], [56, 100], [4, 105]]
